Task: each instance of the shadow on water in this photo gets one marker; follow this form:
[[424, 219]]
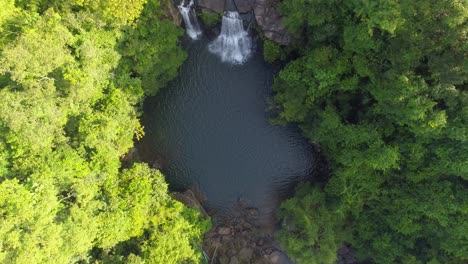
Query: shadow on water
[[209, 128]]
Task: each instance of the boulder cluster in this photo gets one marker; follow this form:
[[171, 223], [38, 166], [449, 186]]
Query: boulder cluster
[[265, 12], [242, 237]]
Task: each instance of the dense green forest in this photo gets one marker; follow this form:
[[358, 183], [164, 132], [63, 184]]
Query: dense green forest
[[72, 77], [381, 87]]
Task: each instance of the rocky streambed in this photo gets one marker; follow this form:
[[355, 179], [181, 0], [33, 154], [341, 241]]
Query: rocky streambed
[[242, 234]]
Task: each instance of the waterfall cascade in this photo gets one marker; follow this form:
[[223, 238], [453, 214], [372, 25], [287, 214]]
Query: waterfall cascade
[[190, 19], [234, 43]]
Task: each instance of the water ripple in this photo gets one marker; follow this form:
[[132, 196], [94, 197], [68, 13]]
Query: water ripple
[[211, 126]]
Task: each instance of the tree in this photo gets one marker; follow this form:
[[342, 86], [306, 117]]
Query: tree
[[69, 113], [151, 50], [310, 231], [380, 85], [121, 12]]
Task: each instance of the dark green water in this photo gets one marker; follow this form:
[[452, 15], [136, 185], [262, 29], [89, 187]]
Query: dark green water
[[209, 128]]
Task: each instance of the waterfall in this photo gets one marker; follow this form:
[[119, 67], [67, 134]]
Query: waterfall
[[190, 19], [233, 44]]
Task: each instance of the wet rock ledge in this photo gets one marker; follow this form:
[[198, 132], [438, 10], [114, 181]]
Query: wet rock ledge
[[266, 15]]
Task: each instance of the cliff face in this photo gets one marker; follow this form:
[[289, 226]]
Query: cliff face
[[270, 21], [171, 12], [266, 14], [216, 6], [245, 6]]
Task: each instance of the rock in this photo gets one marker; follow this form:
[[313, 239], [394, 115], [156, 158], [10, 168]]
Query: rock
[[224, 231], [245, 6], [234, 260], [278, 257], [188, 198], [274, 257], [132, 155], [216, 241], [232, 251], [223, 259], [212, 5], [227, 238], [270, 21], [171, 12], [156, 164], [266, 14], [245, 253], [260, 242], [252, 211]]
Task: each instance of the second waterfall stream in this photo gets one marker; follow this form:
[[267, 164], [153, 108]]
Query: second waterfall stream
[[233, 44], [190, 19]]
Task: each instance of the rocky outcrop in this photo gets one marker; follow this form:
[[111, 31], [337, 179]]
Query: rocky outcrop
[[171, 12], [266, 14], [191, 200], [218, 6], [270, 21], [245, 6], [211, 5], [242, 237]]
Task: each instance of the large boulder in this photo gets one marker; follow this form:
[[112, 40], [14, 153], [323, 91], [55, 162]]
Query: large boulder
[[212, 5], [270, 21]]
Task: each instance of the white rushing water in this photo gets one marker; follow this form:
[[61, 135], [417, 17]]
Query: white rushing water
[[190, 19], [234, 43]]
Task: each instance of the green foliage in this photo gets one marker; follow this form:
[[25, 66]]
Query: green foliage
[[68, 115], [310, 237], [21, 59], [151, 51], [272, 51], [380, 85], [7, 11], [176, 238], [116, 11], [435, 226], [209, 19]]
